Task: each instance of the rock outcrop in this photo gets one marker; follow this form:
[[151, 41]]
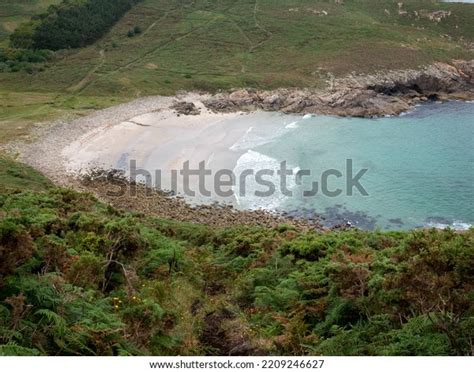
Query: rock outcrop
[[388, 93], [185, 108]]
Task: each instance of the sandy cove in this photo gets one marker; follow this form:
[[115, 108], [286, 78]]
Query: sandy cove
[[162, 141], [187, 127], [388, 93], [164, 135], [72, 153]]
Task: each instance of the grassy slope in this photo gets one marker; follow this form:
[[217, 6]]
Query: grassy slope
[[208, 45], [182, 289], [17, 177]]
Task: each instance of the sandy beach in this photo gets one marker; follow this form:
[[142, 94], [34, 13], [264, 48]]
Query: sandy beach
[[152, 133], [160, 141], [156, 135], [144, 129]]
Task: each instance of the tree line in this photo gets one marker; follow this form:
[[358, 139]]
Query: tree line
[[70, 24]]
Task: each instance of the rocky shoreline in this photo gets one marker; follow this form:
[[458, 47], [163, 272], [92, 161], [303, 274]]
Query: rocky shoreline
[[388, 93], [141, 199]]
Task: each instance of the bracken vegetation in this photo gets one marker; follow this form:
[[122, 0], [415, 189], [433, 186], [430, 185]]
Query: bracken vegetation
[[78, 277]]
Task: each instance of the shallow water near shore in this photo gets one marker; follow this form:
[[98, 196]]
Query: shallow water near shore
[[420, 166]]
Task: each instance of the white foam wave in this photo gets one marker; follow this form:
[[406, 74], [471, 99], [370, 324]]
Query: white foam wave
[[456, 225], [292, 125], [210, 159], [255, 161], [249, 141]]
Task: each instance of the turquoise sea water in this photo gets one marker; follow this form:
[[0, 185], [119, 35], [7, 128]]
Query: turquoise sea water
[[420, 166]]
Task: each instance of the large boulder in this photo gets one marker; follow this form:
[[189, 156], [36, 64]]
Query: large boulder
[[185, 108]]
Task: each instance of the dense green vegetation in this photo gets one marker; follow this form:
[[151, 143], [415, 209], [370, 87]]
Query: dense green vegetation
[[211, 45], [71, 24], [78, 277], [14, 60], [15, 12]]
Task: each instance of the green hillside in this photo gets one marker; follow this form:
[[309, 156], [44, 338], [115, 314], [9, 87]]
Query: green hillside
[[210, 45]]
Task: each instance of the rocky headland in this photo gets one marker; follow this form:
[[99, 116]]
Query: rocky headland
[[387, 93]]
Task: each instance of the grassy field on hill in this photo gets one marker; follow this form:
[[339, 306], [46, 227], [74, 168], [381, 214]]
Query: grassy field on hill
[[78, 277], [211, 45]]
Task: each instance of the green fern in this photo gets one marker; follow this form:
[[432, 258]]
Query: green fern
[[12, 349]]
